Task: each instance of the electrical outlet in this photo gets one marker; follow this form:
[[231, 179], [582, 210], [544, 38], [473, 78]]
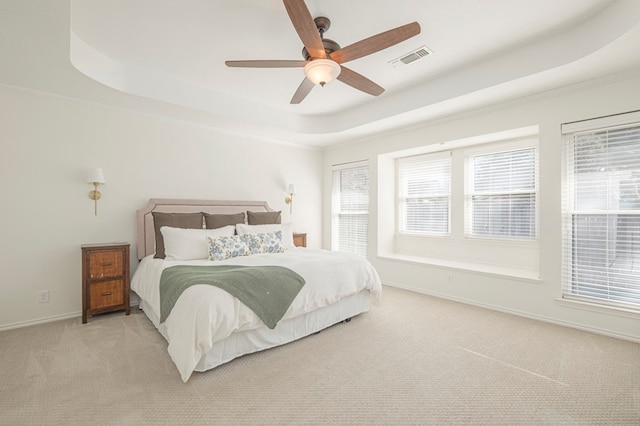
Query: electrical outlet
[[44, 296]]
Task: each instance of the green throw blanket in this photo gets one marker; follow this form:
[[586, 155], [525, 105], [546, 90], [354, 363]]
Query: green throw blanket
[[266, 290]]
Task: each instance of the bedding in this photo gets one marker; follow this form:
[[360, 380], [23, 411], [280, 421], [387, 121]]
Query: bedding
[[266, 242], [214, 221], [191, 244], [267, 290], [205, 317], [222, 248], [173, 220], [285, 228], [264, 218]]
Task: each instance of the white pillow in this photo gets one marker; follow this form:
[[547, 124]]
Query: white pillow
[[191, 244], [286, 228]]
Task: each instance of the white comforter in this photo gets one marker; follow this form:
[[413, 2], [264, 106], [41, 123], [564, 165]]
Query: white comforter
[[205, 314]]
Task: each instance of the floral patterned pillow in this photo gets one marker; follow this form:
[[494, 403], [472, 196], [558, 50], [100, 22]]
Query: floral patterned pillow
[[266, 242], [221, 248]]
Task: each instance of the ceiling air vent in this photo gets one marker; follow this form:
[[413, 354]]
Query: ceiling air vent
[[411, 57]]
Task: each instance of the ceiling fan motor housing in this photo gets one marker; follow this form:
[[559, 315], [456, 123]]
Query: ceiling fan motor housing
[[329, 47], [322, 24]]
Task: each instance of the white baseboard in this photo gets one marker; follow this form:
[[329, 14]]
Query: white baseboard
[[133, 302], [518, 313], [39, 321]]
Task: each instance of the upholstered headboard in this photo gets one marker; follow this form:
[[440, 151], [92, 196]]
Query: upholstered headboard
[[146, 234]]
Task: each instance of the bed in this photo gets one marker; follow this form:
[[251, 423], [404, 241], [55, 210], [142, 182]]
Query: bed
[[207, 326]]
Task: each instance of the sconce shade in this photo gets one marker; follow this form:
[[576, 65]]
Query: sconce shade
[[96, 176], [291, 189], [322, 71]]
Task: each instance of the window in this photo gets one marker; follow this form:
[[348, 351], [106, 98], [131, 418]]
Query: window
[[468, 203], [601, 210], [350, 208], [501, 193], [424, 192]]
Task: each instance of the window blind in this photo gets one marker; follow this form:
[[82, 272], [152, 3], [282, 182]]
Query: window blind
[[601, 211], [350, 206], [501, 194], [424, 194]]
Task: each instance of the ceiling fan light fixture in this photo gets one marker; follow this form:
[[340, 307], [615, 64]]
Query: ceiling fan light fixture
[[322, 71]]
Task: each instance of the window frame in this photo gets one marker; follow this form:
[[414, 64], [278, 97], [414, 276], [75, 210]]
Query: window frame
[[497, 148], [586, 290], [400, 199], [336, 212]]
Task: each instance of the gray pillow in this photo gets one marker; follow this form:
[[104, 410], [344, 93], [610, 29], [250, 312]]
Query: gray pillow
[[264, 218], [215, 221], [174, 220]]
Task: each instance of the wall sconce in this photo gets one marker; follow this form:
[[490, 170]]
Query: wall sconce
[[95, 177], [291, 189]]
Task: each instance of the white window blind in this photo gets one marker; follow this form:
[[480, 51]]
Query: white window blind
[[601, 211], [424, 194], [350, 207], [501, 194]]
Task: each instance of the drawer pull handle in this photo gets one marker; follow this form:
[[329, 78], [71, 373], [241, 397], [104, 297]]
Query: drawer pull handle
[[106, 264], [106, 293]]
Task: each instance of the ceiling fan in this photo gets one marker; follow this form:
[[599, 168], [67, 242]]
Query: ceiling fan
[[323, 58]]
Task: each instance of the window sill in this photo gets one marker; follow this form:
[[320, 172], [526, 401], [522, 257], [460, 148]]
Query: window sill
[[479, 241], [601, 308], [485, 269]]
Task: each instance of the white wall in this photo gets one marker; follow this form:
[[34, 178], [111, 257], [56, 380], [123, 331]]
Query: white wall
[[527, 297], [49, 143]]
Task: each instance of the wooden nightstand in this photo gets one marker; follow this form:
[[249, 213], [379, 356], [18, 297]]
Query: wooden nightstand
[[105, 279], [300, 240]]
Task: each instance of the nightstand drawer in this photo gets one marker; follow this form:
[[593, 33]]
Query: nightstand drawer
[[300, 240], [105, 279], [106, 293], [105, 264]]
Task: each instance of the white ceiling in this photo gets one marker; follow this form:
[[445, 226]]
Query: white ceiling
[[483, 52]]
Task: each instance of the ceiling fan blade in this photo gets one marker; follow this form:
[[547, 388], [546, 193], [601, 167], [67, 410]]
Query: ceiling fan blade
[[359, 82], [266, 64], [375, 43], [302, 92], [305, 27]]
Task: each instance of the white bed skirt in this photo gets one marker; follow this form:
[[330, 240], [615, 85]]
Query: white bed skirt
[[249, 341]]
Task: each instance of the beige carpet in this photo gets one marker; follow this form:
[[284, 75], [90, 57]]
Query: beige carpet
[[412, 359]]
